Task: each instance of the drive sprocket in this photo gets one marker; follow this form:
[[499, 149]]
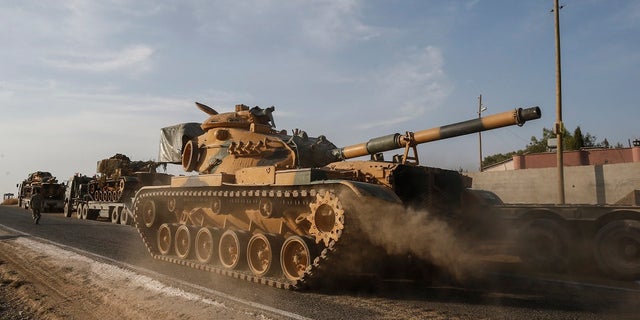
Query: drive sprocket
[[326, 218]]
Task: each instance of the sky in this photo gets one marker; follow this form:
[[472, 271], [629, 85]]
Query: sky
[[83, 80]]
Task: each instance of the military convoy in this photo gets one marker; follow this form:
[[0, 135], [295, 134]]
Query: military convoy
[[46, 184], [108, 194], [287, 210]]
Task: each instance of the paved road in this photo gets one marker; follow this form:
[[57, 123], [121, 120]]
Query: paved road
[[504, 296]]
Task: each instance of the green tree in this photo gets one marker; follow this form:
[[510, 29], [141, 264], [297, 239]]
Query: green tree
[[578, 139]]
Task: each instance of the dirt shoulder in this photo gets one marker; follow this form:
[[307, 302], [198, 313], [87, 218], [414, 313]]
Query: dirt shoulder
[[43, 281]]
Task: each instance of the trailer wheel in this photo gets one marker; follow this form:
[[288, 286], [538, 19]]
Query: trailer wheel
[[85, 212], [115, 216], [79, 211], [125, 218], [542, 244], [68, 209], [617, 249]]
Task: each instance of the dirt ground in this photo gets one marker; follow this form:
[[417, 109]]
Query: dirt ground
[[43, 281]]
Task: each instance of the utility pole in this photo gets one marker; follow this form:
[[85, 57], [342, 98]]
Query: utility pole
[[559, 126], [480, 109]]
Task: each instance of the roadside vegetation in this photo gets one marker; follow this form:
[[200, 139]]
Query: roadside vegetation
[[10, 202], [575, 141]]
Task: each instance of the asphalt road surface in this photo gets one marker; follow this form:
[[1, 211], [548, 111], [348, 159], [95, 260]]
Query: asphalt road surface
[[496, 296]]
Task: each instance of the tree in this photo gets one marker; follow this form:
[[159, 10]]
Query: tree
[[578, 139]]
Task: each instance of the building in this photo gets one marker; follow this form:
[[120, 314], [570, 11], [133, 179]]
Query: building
[[583, 157]]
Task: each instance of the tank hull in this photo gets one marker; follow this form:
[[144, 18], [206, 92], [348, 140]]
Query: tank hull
[[285, 236]]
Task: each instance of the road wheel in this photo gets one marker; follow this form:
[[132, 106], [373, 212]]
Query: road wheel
[[165, 238], [149, 213], [263, 254], [543, 244], [617, 249], [232, 249], [296, 256], [206, 243], [184, 241]]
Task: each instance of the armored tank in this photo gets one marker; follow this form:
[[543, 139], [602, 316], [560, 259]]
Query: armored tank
[[108, 193], [52, 191], [285, 209]]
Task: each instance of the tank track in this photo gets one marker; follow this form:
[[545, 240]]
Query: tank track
[[322, 268]]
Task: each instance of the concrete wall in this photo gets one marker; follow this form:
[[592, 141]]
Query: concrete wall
[[600, 184]]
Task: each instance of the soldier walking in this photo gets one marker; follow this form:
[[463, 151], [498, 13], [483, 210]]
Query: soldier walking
[[36, 203]]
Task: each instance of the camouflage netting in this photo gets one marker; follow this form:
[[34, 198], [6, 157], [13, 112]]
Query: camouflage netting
[[173, 138]]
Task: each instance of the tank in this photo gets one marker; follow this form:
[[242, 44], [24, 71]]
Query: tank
[[44, 182], [117, 181], [285, 210]]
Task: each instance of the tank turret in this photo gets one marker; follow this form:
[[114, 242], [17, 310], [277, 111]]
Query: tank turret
[[247, 138]]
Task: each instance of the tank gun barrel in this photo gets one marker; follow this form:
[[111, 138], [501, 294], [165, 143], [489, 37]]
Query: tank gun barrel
[[396, 141]]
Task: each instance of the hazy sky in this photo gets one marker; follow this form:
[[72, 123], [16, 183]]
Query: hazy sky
[[83, 80]]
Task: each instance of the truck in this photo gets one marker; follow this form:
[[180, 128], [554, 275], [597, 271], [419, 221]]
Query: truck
[[45, 183], [571, 237], [107, 195]]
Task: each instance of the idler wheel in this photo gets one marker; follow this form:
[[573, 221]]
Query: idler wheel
[[231, 249], [327, 218], [206, 243], [184, 241], [115, 216], [263, 254], [617, 249], [165, 238], [149, 213], [296, 256]]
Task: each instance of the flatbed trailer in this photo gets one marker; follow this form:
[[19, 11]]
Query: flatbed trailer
[[116, 212], [564, 237]]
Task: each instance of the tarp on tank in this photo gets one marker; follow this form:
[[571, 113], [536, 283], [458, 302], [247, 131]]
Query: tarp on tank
[[173, 138]]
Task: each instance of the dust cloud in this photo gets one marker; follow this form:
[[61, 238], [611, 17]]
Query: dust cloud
[[401, 231]]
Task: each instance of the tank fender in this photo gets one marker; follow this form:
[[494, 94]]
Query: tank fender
[[363, 189]]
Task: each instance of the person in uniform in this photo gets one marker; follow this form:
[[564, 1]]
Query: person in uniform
[[36, 203]]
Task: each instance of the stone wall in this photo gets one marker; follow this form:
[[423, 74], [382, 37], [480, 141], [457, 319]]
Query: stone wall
[[599, 184]]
